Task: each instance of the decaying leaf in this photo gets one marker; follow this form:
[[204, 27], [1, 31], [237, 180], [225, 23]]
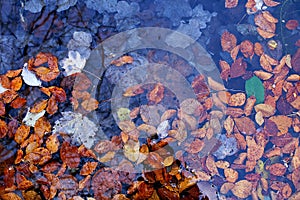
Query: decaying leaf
[[231, 175], [122, 61], [277, 169], [131, 150], [283, 123], [69, 155], [245, 125], [237, 99], [247, 48]]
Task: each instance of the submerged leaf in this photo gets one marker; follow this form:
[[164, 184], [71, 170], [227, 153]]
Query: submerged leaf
[[254, 87]]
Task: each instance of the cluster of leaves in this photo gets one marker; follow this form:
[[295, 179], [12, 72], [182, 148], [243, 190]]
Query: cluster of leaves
[[268, 115]]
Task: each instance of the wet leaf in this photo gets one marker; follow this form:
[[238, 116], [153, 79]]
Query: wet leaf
[[237, 99], [238, 68], [122, 61], [195, 146], [271, 3], [52, 106], [42, 126], [247, 48], [283, 123], [133, 91], [88, 168], [18, 102], [254, 151], [16, 83], [69, 155], [58, 93], [245, 125], [254, 87], [231, 3], [2, 108], [292, 24], [228, 40], [10, 196], [242, 189], [131, 150], [52, 143], [231, 175], [211, 165], [157, 94], [22, 133], [13, 73], [3, 129], [39, 106], [249, 105], [258, 49], [263, 75], [90, 104], [22, 182], [277, 169], [8, 96]]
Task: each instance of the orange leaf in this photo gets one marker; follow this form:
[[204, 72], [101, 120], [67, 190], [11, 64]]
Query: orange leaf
[[42, 126], [22, 133], [247, 48], [4, 81], [39, 106], [258, 49], [228, 41], [2, 108], [52, 106], [264, 34], [18, 102], [88, 168], [58, 93], [13, 73], [41, 58], [157, 94], [3, 129], [231, 3], [82, 82], [122, 61], [52, 143], [16, 83], [133, 91], [265, 63]]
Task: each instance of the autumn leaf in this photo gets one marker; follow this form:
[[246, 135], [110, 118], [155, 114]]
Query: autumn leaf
[[69, 155], [228, 40], [247, 48], [22, 133], [292, 24], [157, 94], [122, 61], [238, 68], [39, 106]]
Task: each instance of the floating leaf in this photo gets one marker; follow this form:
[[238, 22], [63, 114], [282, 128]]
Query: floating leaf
[[228, 41], [242, 189], [69, 155], [29, 77], [254, 87]]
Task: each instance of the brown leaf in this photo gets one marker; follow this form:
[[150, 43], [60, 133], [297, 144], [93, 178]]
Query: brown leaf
[[283, 123], [90, 104], [238, 68], [296, 61], [10, 196], [22, 182], [247, 48], [42, 126], [195, 146], [234, 52], [211, 165], [2, 108], [3, 129], [265, 63], [245, 125], [242, 189], [122, 61], [39, 106], [18, 102], [69, 155], [263, 75], [22, 133], [4, 81], [81, 82], [258, 49], [157, 94], [52, 143], [231, 3], [266, 109], [268, 16], [277, 169], [133, 91], [8, 96], [52, 106], [228, 40], [271, 3], [225, 69], [249, 105], [58, 93], [254, 151], [292, 24], [264, 34], [88, 168]]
